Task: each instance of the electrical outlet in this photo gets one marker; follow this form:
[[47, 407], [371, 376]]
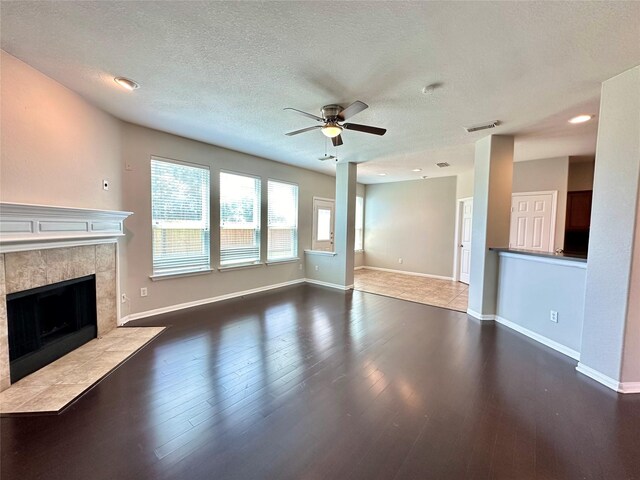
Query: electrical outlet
[[399, 260], [105, 184], [143, 292], [553, 316], [123, 297], [300, 267], [317, 268]]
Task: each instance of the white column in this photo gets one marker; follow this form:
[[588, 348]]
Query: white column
[[344, 237], [493, 172], [610, 351]]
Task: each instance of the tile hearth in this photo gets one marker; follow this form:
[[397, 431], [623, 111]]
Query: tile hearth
[[55, 386]]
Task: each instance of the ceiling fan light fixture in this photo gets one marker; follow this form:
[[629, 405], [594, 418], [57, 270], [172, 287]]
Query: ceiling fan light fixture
[[581, 119], [331, 130], [126, 83]]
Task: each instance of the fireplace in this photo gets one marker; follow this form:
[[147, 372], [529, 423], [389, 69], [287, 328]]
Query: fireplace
[[48, 322], [42, 246]]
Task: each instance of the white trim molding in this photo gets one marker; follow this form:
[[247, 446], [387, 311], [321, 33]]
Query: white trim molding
[[558, 347], [326, 253], [414, 274], [481, 316], [620, 387], [560, 261], [327, 284], [205, 301], [30, 227]]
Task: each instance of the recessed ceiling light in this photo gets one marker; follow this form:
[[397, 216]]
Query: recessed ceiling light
[[581, 119], [382, 174], [416, 170], [126, 83]]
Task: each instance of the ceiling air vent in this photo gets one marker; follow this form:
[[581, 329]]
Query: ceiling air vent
[[484, 126], [443, 164]]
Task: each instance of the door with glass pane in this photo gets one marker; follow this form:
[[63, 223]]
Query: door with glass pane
[[323, 213]]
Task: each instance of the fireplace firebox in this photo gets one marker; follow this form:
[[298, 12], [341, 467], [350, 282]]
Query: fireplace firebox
[[48, 322]]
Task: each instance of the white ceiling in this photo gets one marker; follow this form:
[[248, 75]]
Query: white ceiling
[[222, 72]]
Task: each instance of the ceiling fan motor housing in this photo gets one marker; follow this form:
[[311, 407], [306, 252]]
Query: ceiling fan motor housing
[[330, 112]]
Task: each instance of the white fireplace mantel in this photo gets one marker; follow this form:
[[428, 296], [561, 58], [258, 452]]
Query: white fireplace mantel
[[25, 226]]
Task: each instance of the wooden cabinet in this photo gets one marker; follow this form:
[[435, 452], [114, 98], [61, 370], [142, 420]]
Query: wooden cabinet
[[579, 210], [578, 221]]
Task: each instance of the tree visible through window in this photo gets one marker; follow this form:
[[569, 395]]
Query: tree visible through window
[[180, 217], [239, 219]]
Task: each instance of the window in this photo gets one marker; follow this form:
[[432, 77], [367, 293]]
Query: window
[[282, 239], [180, 217], [359, 243], [239, 219]]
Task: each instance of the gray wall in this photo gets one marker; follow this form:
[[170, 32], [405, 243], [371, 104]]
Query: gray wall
[[414, 221], [139, 144], [464, 184], [543, 175], [611, 330], [529, 288]]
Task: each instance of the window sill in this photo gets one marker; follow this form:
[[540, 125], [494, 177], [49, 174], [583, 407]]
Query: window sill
[[320, 252], [190, 273], [359, 251], [240, 266], [284, 260]]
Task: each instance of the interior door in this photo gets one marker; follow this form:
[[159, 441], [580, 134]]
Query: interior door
[[465, 240], [533, 221], [323, 223]]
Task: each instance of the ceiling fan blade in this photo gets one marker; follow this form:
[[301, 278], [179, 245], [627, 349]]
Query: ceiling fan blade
[[364, 128], [351, 110], [310, 115], [296, 132], [337, 141]]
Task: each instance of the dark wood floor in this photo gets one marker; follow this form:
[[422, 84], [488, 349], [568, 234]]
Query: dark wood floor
[[311, 383]]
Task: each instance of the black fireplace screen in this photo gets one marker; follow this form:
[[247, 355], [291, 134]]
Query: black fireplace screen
[[48, 322]]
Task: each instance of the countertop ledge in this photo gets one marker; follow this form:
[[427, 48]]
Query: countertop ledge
[[534, 253]]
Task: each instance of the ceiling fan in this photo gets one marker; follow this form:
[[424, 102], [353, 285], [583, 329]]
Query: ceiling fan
[[332, 118]]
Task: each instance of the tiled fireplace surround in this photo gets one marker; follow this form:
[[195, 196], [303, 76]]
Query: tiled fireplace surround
[[24, 270]]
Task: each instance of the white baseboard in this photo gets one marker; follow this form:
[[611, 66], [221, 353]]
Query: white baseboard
[[480, 316], [359, 268], [539, 338], [415, 274], [327, 284], [630, 387], [204, 301], [613, 384]]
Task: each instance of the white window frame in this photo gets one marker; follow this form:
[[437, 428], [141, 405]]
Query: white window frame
[[295, 245], [187, 267], [258, 205], [359, 248]]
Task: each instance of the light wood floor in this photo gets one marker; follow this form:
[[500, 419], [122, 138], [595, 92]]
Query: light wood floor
[[431, 291]]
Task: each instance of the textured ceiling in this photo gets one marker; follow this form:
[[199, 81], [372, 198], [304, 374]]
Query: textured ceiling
[[222, 72]]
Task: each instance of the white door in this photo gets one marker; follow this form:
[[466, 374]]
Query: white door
[[323, 212], [465, 240], [533, 221]]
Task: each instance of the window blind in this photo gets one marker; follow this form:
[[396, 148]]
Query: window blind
[[359, 222], [180, 217], [282, 220], [239, 219]]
